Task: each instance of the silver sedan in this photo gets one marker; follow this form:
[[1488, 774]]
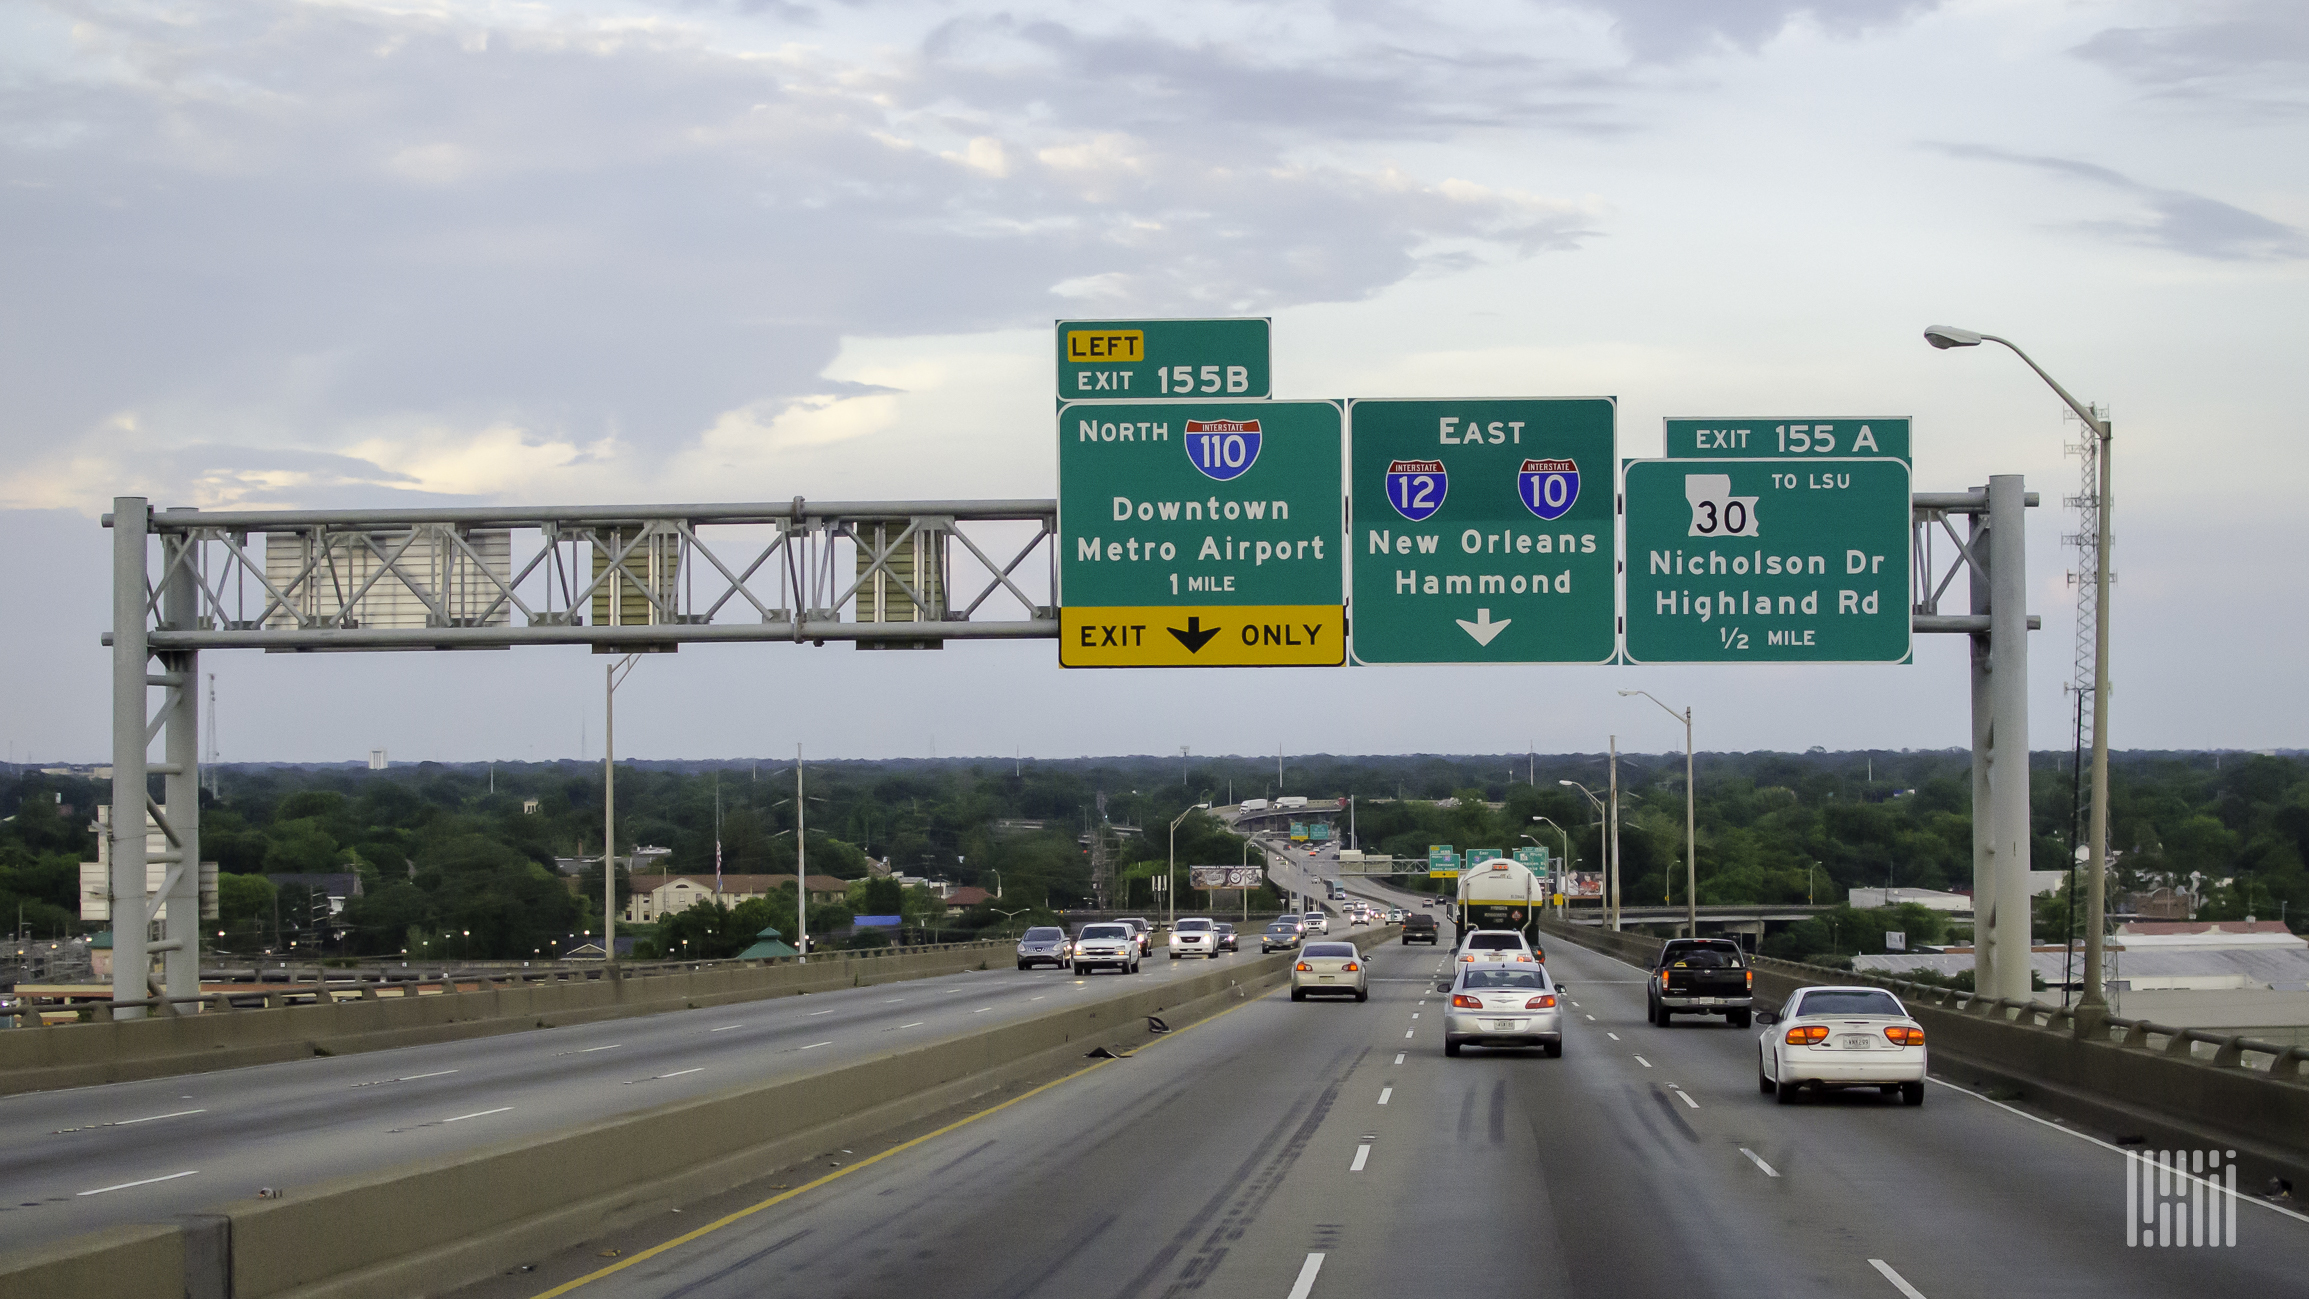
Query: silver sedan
[[1330, 967], [1511, 1005]]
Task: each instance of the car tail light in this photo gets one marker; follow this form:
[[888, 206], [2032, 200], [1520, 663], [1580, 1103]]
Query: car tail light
[[1751, 980], [1350, 967], [1524, 959], [1304, 966], [1807, 1034], [1901, 1036], [1461, 1001], [1543, 1002]]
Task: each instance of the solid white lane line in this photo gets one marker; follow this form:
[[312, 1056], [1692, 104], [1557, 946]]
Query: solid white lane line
[[1384, 1093], [1898, 1281], [1306, 1281], [478, 1114], [815, 1045], [591, 1049], [153, 1118], [916, 1024], [893, 1001], [1362, 1154], [1035, 998], [1645, 1063], [1758, 1161], [1398, 1057], [1613, 1036], [724, 1028], [982, 1010], [2113, 1149], [379, 1082], [146, 1182], [815, 1013]]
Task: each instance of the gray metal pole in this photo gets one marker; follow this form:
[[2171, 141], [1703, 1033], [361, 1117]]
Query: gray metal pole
[[2093, 1005], [1613, 883], [180, 609], [2008, 696], [1984, 932], [609, 816], [1691, 844], [801, 862], [130, 963]]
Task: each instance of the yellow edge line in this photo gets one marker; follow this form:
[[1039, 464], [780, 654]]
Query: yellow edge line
[[780, 1198]]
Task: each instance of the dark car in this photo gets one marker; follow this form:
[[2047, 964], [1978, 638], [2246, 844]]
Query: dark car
[[1699, 976], [1282, 936], [1419, 927], [1227, 937]]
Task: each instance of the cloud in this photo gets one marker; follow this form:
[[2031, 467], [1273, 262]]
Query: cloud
[[270, 223], [2172, 220], [1668, 30], [2252, 51]]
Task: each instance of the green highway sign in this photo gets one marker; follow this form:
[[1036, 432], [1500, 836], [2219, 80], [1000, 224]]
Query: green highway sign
[[1154, 360], [1482, 530], [1200, 534], [1747, 438], [1767, 561]]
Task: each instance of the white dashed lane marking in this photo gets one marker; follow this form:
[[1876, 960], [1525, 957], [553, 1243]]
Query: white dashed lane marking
[[1758, 1161]]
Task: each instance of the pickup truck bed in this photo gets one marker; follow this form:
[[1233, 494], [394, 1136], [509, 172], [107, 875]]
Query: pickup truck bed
[[1704, 976]]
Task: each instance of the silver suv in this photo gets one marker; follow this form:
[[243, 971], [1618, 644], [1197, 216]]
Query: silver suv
[[1106, 944], [1044, 945]]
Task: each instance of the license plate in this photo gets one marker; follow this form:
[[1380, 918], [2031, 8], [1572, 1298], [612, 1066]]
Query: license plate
[[1502, 1025], [1708, 1001], [1327, 977], [1855, 1042]]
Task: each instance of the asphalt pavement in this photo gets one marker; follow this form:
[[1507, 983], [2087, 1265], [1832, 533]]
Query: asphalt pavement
[[1329, 1150], [76, 1160]]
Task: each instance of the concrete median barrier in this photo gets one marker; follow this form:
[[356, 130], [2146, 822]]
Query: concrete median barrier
[[435, 1225], [81, 1055]]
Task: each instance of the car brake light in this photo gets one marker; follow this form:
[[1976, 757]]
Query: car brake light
[[1901, 1036], [1460, 1001], [1350, 967], [1304, 966], [1544, 1002], [1807, 1034], [1751, 980]]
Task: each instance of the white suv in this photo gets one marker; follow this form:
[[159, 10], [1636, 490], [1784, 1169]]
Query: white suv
[[1197, 937], [1318, 923], [1507, 946], [1106, 944]]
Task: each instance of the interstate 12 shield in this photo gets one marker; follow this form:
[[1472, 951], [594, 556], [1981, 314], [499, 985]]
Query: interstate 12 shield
[[1222, 448], [1548, 487], [1416, 487]]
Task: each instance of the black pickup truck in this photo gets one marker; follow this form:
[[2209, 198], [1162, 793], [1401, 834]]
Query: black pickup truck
[[1699, 976]]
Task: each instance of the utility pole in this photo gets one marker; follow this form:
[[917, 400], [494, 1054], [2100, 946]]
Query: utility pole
[[801, 862], [1613, 883], [1691, 798]]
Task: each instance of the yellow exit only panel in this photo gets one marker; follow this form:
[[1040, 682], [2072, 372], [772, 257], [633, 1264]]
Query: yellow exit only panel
[[1192, 636]]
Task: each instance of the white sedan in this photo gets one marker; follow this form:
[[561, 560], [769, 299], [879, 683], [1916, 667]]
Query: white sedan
[[1330, 967], [1841, 1037]]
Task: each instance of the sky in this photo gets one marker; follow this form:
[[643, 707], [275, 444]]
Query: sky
[[343, 253]]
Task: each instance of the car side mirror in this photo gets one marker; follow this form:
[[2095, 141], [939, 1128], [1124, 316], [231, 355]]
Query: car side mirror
[[1563, 987], [1767, 1017], [1443, 987]]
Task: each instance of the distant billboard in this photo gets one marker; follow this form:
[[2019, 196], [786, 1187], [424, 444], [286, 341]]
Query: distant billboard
[[1223, 877]]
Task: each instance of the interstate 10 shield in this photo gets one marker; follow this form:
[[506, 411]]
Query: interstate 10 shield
[[1222, 449], [1548, 488], [1416, 488]]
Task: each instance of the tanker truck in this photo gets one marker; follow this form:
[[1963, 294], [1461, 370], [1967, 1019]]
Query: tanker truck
[[1500, 893]]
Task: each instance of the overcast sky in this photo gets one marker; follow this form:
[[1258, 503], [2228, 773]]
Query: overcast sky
[[264, 253]]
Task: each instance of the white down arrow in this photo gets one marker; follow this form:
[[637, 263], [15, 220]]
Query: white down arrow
[[1483, 628]]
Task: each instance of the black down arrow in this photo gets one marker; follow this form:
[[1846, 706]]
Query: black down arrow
[[1195, 636]]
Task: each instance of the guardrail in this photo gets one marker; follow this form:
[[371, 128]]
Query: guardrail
[[297, 992]]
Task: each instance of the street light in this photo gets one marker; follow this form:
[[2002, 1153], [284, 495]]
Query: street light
[[2093, 1005], [613, 674], [1171, 877], [1607, 820], [1691, 844]]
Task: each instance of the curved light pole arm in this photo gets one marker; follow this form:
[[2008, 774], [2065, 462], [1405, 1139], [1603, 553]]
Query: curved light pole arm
[[2092, 421]]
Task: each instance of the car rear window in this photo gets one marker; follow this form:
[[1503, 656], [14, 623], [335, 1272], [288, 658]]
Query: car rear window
[[1709, 956], [1331, 949], [1193, 926], [1043, 934], [1106, 931], [1849, 1001], [1495, 942], [1503, 979]]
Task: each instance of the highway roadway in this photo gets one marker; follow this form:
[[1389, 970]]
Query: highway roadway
[[90, 1157], [1329, 1150]]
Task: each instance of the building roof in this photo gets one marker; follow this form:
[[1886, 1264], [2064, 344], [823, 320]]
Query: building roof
[[2132, 927], [737, 885], [967, 896]]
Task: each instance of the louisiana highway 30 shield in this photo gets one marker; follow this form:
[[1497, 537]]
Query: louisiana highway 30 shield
[[1548, 488]]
